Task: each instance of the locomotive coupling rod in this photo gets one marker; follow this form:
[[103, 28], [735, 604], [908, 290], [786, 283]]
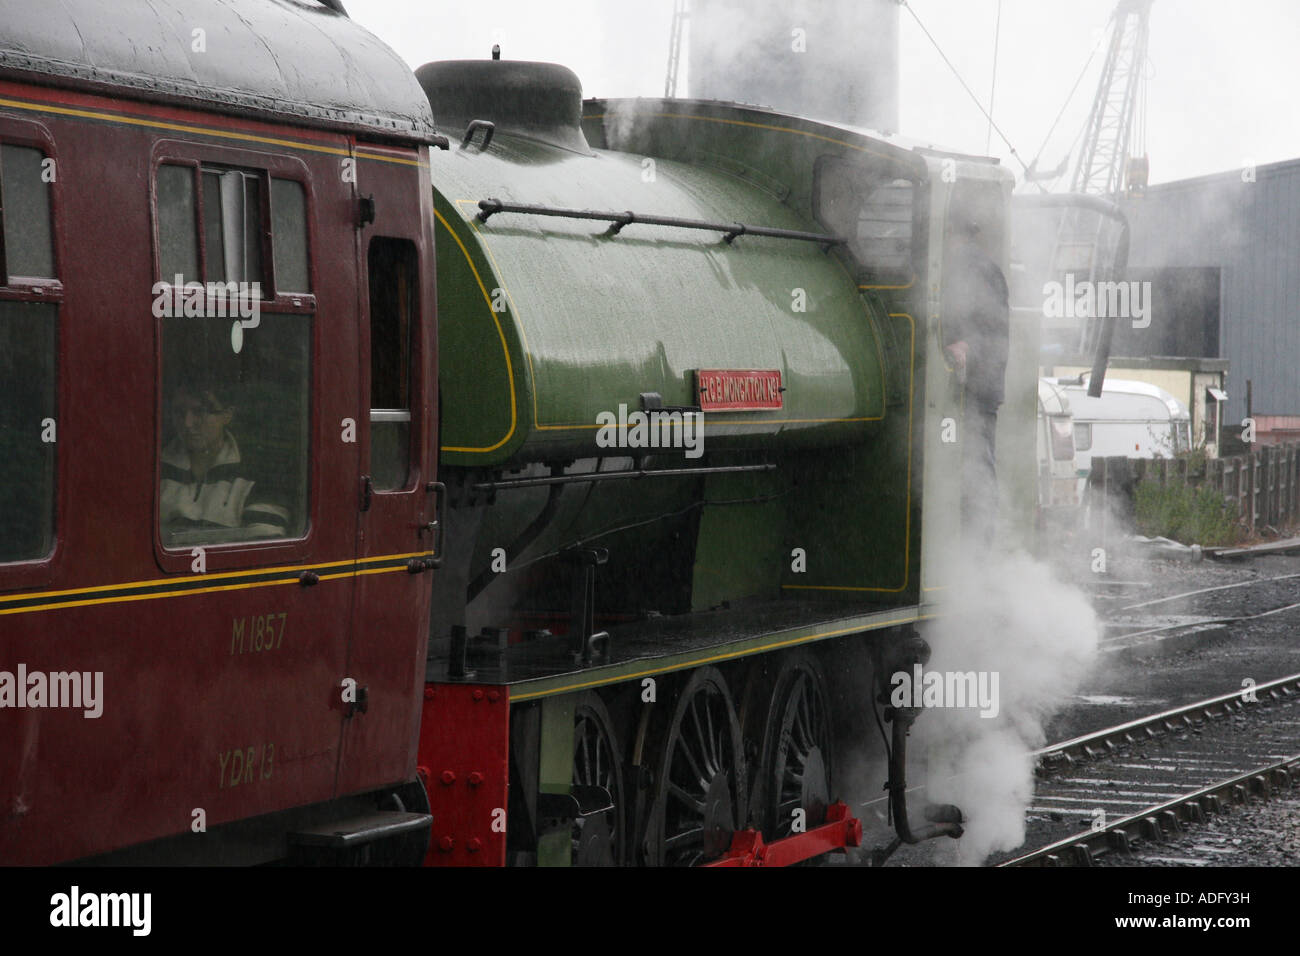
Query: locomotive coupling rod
[[616, 476]]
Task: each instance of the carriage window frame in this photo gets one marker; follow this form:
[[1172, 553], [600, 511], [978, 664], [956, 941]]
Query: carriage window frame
[[274, 301], [41, 290]]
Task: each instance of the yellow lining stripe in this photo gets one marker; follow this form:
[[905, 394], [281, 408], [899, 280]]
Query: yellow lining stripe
[[184, 592], [496, 269], [876, 288], [273, 569], [763, 648], [505, 348], [202, 131]]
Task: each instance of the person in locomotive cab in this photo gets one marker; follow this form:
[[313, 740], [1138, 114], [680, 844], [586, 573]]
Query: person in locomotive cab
[[976, 326], [206, 487]]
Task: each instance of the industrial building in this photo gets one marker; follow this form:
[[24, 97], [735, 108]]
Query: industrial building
[[1220, 253]]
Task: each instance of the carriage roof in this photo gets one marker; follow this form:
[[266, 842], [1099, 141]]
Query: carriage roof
[[287, 59]]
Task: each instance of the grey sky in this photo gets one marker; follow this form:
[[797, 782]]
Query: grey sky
[[1221, 83]]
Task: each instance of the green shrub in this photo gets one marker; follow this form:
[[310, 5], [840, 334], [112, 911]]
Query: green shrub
[[1192, 515]]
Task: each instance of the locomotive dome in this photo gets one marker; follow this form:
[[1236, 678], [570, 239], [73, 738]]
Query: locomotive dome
[[539, 100], [286, 58]]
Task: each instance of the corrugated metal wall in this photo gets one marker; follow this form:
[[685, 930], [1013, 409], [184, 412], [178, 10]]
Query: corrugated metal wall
[[1251, 230]]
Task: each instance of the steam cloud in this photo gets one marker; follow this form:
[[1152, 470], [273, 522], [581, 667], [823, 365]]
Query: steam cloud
[[1010, 615]]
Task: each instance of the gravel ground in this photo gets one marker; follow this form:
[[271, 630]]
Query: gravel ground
[[1257, 834], [1131, 684]]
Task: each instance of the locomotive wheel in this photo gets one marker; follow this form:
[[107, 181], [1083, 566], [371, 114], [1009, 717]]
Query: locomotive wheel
[[699, 782], [599, 839], [795, 765]]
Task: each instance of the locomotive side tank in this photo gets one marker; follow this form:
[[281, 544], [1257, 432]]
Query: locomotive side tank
[[550, 321]]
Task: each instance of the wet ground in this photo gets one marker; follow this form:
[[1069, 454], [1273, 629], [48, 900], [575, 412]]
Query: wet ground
[[1194, 663]]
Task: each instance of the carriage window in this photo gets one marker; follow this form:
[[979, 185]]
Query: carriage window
[[232, 206], [392, 270], [28, 359], [236, 377], [178, 231], [235, 430], [289, 232], [28, 349], [25, 206]]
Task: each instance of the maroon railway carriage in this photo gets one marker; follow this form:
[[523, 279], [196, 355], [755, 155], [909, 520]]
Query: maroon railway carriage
[[217, 497]]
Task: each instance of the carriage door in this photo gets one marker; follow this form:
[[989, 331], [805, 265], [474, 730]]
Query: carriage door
[[395, 496]]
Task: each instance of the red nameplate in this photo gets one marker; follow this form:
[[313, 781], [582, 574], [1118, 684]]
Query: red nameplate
[[726, 389]]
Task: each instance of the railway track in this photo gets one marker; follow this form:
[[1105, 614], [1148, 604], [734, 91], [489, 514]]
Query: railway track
[[1142, 782], [1143, 623]]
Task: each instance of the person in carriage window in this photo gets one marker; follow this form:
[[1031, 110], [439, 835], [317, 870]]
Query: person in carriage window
[[206, 486]]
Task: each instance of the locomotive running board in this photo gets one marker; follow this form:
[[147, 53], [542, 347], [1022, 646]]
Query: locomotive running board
[[648, 648]]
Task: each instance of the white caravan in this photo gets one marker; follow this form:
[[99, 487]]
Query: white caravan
[[1132, 419]]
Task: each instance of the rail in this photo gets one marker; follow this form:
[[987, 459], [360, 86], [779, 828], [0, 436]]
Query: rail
[[1144, 728], [1154, 823]]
